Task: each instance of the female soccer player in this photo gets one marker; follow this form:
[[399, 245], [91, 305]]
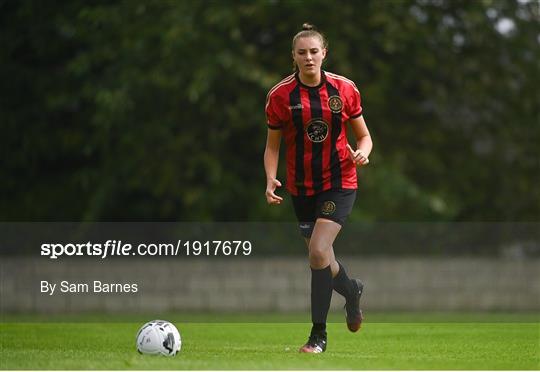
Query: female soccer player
[[310, 109]]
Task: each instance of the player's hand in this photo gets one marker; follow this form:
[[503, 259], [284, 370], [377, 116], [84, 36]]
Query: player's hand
[[271, 186], [357, 156]]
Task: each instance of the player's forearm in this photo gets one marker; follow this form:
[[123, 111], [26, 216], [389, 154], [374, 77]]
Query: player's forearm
[[364, 144], [361, 133], [271, 160]]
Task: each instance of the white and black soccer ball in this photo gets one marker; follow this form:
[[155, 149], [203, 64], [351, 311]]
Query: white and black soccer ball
[[158, 337]]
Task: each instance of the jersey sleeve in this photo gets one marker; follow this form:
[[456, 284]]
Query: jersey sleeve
[[354, 102], [274, 112]]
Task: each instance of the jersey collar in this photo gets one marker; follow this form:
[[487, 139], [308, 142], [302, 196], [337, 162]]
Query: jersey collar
[[323, 80]]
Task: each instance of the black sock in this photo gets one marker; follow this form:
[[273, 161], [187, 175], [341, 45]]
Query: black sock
[[321, 295], [342, 283], [318, 328]]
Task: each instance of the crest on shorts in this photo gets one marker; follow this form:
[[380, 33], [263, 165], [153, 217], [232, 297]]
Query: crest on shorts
[[336, 104], [328, 208], [317, 130]]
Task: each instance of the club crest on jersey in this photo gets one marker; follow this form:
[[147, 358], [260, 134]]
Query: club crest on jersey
[[335, 104], [317, 130], [328, 208]]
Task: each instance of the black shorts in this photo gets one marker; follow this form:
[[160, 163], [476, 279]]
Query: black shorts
[[334, 205]]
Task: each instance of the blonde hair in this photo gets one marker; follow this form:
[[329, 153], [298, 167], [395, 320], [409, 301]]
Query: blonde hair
[[308, 30]]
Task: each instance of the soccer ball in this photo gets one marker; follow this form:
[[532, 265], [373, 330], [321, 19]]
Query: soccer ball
[[158, 337]]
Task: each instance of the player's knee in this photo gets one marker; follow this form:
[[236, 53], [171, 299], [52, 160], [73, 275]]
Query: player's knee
[[318, 254], [318, 262]]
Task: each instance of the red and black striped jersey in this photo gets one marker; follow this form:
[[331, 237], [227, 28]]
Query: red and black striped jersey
[[312, 120]]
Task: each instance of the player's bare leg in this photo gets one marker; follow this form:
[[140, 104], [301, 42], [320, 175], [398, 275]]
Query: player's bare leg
[[320, 259], [350, 289]]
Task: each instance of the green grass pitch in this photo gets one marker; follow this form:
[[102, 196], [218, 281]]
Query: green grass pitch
[[475, 342]]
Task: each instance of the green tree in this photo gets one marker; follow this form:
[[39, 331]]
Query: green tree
[[153, 110]]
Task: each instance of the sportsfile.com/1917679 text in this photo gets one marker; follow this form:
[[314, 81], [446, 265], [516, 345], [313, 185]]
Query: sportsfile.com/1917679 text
[[118, 248]]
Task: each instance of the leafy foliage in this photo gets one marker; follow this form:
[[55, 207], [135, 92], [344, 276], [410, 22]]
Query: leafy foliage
[[153, 110]]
